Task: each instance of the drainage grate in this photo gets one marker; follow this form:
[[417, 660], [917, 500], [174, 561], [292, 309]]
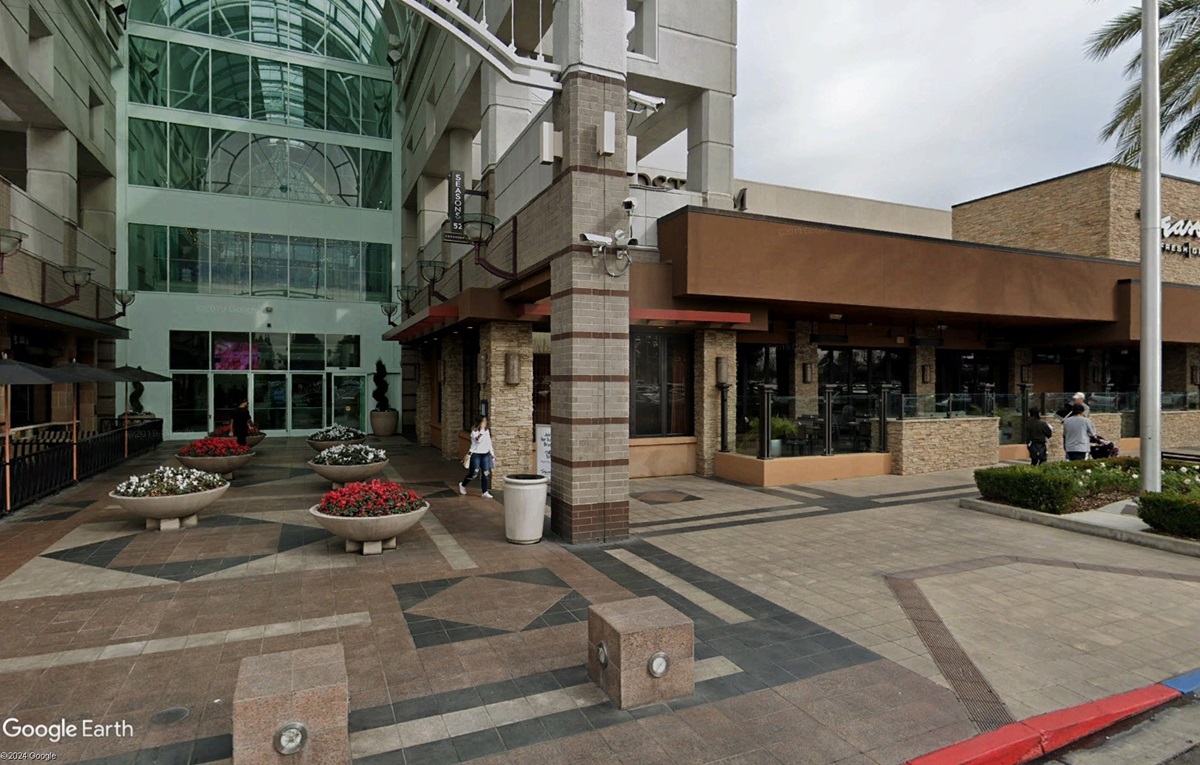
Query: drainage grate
[[168, 716]]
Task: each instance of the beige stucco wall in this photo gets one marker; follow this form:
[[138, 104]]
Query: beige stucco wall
[[1180, 429], [840, 210], [927, 446]]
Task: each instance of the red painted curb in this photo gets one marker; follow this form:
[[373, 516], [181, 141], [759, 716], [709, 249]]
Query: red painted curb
[[1068, 725], [1029, 739], [1011, 744]]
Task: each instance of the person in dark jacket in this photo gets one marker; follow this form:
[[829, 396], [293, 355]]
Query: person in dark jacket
[[240, 422], [1036, 432]]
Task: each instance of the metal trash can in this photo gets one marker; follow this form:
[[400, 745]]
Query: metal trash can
[[524, 507]]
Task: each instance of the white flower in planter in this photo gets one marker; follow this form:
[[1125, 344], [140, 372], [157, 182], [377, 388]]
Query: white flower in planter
[[350, 454]]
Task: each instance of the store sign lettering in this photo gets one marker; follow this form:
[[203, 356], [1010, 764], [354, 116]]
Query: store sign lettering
[[1180, 228], [457, 201]]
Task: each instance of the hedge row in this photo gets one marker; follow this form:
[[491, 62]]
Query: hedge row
[[1028, 487], [1175, 514]]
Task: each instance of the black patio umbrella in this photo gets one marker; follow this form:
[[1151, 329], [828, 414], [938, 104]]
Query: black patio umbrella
[[82, 373], [135, 374], [20, 373]]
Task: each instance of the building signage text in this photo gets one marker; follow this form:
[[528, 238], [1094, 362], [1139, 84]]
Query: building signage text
[[458, 197], [1180, 228]]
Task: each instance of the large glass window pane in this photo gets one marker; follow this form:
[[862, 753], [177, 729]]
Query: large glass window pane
[[231, 18], [270, 350], [149, 12], [189, 157], [646, 418], [343, 102], [147, 71], [229, 253], [269, 23], [678, 384], [189, 78], [147, 257], [377, 108], [269, 167], [346, 402], [147, 153], [307, 173], [342, 351], [270, 402], [343, 270], [189, 350], [341, 174], [308, 401], [269, 265], [373, 37], [310, 108], [189, 401], [308, 25], [376, 187], [190, 14], [230, 84], [307, 268], [189, 260], [377, 272], [229, 391], [344, 22], [229, 168], [268, 90], [308, 352], [231, 350]]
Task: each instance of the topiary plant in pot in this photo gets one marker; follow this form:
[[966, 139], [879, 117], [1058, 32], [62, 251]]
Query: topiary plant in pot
[[384, 419]]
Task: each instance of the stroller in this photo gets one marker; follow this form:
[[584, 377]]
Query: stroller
[[1102, 448]]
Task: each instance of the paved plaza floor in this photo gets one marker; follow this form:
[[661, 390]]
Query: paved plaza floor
[[857, 621]]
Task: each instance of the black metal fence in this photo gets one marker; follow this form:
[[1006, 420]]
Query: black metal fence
[[45, 463]]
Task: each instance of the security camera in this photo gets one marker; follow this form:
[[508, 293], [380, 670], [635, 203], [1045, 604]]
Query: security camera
[[596, 240], [652, 103], [629, 203]]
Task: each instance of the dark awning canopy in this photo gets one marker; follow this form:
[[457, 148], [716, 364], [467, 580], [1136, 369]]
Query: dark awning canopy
[[36, 313], [20, 373], [137, 374]]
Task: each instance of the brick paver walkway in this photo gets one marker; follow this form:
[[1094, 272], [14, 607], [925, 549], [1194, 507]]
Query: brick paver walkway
[[815, 610]]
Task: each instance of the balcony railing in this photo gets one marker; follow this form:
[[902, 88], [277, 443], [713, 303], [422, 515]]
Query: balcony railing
[[43, 459]]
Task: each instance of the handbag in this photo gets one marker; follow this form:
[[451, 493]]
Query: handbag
[[467, 461]]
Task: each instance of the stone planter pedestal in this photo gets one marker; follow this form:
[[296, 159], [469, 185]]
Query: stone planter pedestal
[[223, 465], [370, 536], [323, 445], [340, 475], [170, 513]]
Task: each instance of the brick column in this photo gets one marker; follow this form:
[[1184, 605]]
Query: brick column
[[452, 396], [510, 406], [805, 352], [922, 355], [1020, 357], [710, 345], [426, 374]]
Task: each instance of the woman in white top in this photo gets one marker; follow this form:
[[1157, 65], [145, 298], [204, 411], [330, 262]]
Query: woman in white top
[[482, 458]]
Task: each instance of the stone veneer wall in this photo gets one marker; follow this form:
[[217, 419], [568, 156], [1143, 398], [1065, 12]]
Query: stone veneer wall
[[927, 446], [1180, 429], [452, 396], [426, 373], [710, 345], [510, 407]]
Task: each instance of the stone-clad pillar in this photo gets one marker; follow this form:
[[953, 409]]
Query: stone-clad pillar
[[426, 374], [589, 308], [510, 404], [923, 356], [805, 352], [711, 345], [452, 396], [52, 156], [710, 148]]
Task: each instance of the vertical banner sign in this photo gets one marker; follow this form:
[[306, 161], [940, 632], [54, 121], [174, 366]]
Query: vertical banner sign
[[457, 204], [542, 438]]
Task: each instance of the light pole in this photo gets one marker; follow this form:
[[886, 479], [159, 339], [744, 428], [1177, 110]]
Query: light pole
[[1151, 313]]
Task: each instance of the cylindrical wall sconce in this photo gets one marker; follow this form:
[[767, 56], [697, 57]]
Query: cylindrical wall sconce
[[925, 373], [722, 370], [1026, 374], [512, 368], [481, 369], [1195, 375], [806, 372]]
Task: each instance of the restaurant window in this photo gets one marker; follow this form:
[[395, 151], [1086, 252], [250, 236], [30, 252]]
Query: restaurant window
[[862, 370], [757, 364], [970, 371], [661, 385]]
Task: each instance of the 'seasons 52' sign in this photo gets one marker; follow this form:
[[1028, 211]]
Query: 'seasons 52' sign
[[1180, 228]]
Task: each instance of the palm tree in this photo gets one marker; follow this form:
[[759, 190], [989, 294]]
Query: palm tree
[[1179, 57]]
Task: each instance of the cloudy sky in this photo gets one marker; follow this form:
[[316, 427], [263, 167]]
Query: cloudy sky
[[928, 102]]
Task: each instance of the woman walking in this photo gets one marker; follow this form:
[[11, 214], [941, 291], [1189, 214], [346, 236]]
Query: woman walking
[[1036, 433], [481, 459]]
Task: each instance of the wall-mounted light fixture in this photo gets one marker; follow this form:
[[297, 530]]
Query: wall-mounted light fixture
[[806, 372], [389, 310], [406, 294], [481, 369], [1095, 374], [76, 278], [124, 298], [723, 385], [1026, 373], [10, 242], [926, 373], [722, 370], [1195, 375], [512, 368], [431, 270]]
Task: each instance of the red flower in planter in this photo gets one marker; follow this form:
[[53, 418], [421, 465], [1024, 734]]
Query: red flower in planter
[[214, 447], [370, 500]]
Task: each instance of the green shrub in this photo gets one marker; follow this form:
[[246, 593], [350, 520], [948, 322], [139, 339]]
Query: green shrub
[[1029, 487], [1171, 513]]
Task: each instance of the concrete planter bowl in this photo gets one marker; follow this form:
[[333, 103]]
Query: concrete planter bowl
[[222, 465], [323, 445], [340, 475], [173, 512], [371, 536], [255, 440]]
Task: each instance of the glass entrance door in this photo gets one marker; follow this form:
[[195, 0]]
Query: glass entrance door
[[346, 400], [270, 402], [308, 403], [228, 390]]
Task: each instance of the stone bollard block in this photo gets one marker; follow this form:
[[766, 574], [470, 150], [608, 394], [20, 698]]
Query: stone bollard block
[[307, 686], [623, 639]]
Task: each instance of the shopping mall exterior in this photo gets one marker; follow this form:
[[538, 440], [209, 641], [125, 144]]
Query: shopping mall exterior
[[275, 182]]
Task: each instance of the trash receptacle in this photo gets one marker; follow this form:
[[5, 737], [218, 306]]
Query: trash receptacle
[[524, 507]]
